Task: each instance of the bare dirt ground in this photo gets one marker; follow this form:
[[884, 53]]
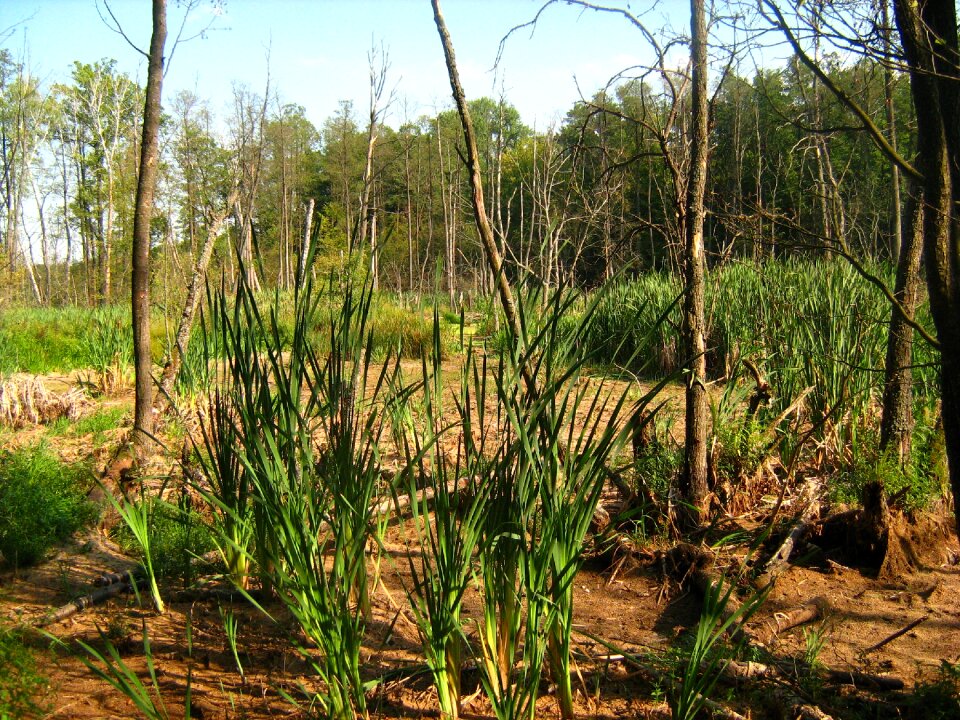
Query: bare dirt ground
[[627, 602]]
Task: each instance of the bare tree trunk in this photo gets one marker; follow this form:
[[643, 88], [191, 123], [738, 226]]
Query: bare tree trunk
[[44, 244], [378, 80], [897, 234], [146, 186], [406, 170], [449, 227], [67, 275], [305, 244], [928, 31], [695, 488]]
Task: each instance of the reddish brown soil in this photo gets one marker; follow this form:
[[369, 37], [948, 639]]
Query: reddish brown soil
[[632, 608]]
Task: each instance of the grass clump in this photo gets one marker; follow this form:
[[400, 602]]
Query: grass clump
[[42, 502], [22, 684], [407, 332], [97, 424], [177, 535]]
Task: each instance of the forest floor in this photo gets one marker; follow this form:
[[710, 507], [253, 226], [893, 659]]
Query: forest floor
[[626, 603]]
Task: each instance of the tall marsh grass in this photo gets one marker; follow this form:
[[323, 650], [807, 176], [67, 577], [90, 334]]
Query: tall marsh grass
[[45, 340], [292, 464], [805, 324]]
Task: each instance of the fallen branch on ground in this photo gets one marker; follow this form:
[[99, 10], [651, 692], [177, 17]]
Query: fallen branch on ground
[[890, 638], [811, 510], [80, 604]]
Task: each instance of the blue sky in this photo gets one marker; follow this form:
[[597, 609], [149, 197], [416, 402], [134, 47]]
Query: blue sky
[[318, 49]]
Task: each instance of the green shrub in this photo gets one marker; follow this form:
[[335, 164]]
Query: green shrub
[[22, 685], [42, 501]]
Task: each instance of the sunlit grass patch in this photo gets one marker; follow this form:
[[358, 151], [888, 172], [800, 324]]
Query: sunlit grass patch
[[42, 501]]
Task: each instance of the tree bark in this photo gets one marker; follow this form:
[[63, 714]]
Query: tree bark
[[896, 242], [896, 421], [143, 210], [695, 488], [928, 32]]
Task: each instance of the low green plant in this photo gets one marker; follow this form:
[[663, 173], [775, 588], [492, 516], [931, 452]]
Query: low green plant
[[441, 558], [230, 628], [109, 666], [938, 699], [814, 639], [98, 424], [807, 324], [656, 467], [42, 502], [916, 482], [23, 686], [138, 517], [178, 536], [708, 653], [227, 489]]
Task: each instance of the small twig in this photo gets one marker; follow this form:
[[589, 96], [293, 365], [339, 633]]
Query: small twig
[[890, 638]]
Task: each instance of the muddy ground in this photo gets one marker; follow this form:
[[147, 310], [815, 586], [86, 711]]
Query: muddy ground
[[624, 598]]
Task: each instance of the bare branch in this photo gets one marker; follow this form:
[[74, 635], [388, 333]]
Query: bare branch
[[879, 138], [117, 28]]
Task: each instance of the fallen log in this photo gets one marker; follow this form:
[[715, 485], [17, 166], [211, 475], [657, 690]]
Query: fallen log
[[80, 604], [811, 509], [781, 622], [127, 576], [861, 679]]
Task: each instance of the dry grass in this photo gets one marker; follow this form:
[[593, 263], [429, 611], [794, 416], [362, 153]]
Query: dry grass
[[24, 400]]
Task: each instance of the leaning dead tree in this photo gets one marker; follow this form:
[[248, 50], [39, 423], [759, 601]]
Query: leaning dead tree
[[490, 248], [192, 302]]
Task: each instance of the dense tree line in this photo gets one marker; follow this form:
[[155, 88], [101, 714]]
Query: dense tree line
[[577, 202]]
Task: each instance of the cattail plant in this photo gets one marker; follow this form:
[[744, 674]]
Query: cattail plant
[[441, 564], [304, 427], [543, 483]]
